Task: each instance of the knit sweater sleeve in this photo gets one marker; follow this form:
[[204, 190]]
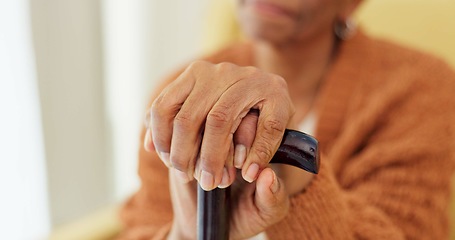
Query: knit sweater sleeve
[[388, 173], [148, 213]]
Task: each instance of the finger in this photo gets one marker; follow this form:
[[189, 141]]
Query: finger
[[273, 118], [164, 109], [244, 137], [148, 144], [189, 124], [221, 123], [229, 171], [188, 127], [271, 198]]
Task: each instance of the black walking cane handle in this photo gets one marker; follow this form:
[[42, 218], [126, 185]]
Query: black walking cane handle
[[297, 149]]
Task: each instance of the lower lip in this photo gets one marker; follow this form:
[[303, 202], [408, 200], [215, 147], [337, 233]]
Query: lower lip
[[270, 9]]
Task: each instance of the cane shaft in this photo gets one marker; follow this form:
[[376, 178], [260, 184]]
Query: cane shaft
[[213, 214], [297, 149]]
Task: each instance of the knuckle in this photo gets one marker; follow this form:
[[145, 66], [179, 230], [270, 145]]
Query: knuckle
[[179, 163], [279, 82], [208, 162], [184, 120], [225, 66], [158, 106], [219, 117], [197, 65], [251, 69], [273, 128], [252, 72], [159, 110], [272, 132], [264, 151]]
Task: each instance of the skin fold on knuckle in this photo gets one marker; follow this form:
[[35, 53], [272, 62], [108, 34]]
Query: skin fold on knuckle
[[197, 65], [264, 152], [162, 109], [185, 121], [218, 119], [225, 68], [158, 108], [269, 138], [273, 129], [157, 116], [250, 72], [227, 74], [179, 163]]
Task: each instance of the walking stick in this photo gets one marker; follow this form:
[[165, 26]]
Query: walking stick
[[297, 149]]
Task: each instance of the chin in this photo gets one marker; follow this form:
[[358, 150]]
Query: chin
[[275, 36], [264, 25], [268, 30]]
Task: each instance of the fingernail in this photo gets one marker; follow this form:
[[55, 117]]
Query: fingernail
[[275, 184], [251, 173], [239, 155], [147, 141], [165, 158], [206, 180], [182, 176], [225, 179]]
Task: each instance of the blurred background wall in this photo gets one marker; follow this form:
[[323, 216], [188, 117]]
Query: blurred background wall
[[97, 63], [67, 38]]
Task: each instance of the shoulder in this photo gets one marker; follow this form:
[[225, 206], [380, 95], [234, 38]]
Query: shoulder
[[385, 67]]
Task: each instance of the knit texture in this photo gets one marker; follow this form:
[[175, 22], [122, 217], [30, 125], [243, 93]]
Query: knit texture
[[386, 126]]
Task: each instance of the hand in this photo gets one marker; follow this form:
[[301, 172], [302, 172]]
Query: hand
[[255, 206], [196, 117]]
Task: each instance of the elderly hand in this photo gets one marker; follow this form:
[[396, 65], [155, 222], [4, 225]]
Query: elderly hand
[[209, 116], [255, 206], [196, 117]]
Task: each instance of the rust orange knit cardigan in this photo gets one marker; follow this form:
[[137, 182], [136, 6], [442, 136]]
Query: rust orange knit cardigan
[[386, 125]]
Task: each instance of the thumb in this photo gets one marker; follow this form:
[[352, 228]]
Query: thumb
[[271, 198]]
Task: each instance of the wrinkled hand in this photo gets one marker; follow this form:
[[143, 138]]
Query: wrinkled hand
[[194, 119], [202, 125], [255, 206]]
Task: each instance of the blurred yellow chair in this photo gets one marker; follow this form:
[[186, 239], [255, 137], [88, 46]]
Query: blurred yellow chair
[[100, 225], [422, 24]]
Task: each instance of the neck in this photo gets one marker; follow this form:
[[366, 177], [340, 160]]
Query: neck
[[302, 64]]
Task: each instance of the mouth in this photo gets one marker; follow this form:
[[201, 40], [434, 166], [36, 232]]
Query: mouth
[[271, 9]]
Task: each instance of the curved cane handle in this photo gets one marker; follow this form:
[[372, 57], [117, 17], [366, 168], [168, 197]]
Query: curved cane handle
[[298, 149]]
